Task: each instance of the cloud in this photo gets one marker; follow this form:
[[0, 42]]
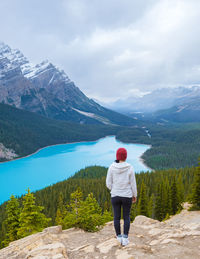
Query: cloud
[[110, 49]]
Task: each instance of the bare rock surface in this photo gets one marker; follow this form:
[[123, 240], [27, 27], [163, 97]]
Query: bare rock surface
[[176, 238], [7, 153]]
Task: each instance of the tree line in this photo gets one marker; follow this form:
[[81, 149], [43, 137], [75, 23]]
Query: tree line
[[172, 146]]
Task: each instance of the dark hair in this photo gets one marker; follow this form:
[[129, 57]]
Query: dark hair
[[117, 161]]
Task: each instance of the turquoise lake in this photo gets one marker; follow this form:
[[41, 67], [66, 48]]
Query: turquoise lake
[[56, 163]]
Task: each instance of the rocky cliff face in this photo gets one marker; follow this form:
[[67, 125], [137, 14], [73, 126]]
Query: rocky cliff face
[[47, 90], [177, 238]]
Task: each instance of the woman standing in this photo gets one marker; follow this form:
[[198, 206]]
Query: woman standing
[[121, 181]]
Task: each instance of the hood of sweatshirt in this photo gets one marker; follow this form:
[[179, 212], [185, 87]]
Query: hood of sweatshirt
[[120, 167]]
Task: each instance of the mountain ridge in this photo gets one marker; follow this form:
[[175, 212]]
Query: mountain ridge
[[24, 132], [47, 90], [159, 99], [185, 112]]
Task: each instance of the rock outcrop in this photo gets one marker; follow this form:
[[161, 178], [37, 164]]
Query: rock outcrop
[[178, 237], [6, 153]]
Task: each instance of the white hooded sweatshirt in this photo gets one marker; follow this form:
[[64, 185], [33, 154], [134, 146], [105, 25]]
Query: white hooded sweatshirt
[[121, 180]]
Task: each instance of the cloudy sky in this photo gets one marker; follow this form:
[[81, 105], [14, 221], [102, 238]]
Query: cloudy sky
[[110, 48]]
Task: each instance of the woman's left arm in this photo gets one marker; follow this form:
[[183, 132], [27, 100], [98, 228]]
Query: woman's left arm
[[109, 179]]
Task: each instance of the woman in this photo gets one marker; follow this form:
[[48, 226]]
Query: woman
[[121, 181]]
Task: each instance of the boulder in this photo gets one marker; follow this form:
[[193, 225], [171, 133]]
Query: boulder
[[177, 237]]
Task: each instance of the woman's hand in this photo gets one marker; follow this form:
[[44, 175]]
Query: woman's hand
[[134, 199]]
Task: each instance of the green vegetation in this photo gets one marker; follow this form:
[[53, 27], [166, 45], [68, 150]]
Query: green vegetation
[[143, 201], [175, 146], [26, 132], [12, 220], [61, 211], [23, 221], [160, 193], [195, 197], [85, 197], [175, 200], [85, 214], [31, 219]]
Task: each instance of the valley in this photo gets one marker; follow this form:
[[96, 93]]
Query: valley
[[99, 129], [41, 106]]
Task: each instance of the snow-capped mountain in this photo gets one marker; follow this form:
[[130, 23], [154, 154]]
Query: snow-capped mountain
[[47, 90], [159, 99], [185, 111], [164, 106]]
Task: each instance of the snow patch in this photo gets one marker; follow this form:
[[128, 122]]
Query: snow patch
[[88, 114], [181, 108], [93, 116], [13, 55], [148, 133], [31, 71], [51, 80], [13, 58]]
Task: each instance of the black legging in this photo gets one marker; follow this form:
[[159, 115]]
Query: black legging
[[117, 204]]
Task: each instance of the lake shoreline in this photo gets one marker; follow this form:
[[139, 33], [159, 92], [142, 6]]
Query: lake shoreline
[[143, 161], [37, 151], [59, 162]]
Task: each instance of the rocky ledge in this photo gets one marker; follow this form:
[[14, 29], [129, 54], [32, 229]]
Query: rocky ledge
[[7, 153], [178, 237]]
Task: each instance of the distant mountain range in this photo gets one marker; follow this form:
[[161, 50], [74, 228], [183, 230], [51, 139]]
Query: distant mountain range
[[187, 111], [158, 99], [47, 90], [164, 105]]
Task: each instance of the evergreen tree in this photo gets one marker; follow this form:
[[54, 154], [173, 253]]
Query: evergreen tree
[[195, 200], [158, 204], [174, 196], [133, 212], [151, 206], [106, 206], [12, 220], [72, 214], [143, 201], [59, 217], [31, 219], [107, 216], [90, 218], [93, 180], [76, 200], [61, 211], [85, 214], [164, 198], [180, 189], [168, 201]]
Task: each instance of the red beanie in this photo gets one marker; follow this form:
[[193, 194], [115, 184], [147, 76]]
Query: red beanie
[[121, 154]]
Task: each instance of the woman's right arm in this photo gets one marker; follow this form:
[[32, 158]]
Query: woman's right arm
[[134, 199], [133, 184]]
